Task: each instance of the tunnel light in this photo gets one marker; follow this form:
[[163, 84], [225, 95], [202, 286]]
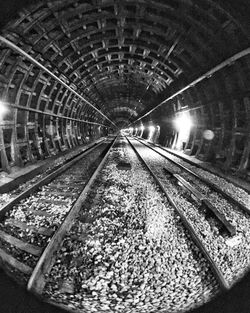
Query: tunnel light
[[3, 109], [151, 132], [208, 134], [183, 122], [141, 128]]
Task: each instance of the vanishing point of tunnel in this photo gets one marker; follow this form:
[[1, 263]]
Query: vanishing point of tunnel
[[125, 151]]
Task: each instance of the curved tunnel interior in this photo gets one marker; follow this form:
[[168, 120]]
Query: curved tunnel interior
[[118, 60], [173, 72]]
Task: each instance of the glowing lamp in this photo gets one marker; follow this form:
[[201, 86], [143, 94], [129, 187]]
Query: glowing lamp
[[3, 108], [183, 122], [151, 132], [208, 134]]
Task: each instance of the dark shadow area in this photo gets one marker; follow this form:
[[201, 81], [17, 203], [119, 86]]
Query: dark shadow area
[[14, 299]]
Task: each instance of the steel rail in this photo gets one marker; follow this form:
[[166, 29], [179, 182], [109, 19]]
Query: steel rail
[[208, 74], [37, 279], [204, 200], [217, 272], [199, 166], [8, 206], [34, 61], [212, 185]]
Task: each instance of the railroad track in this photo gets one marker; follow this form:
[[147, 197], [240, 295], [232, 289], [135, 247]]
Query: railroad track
[[198, 165], [65, 250], [31, 222], [206, 188], [14, 188], [204, 202], [229, 250], [224, 284], [102, 246], [234, 194], [201, 188]]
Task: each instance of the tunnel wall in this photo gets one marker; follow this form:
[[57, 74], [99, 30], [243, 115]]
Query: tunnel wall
[[43, 117], [220, 103]]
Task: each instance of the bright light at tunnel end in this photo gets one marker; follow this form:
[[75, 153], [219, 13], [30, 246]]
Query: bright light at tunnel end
[[127, 131]]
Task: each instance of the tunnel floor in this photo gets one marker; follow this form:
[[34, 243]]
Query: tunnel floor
[[14, 299], [125, 249]]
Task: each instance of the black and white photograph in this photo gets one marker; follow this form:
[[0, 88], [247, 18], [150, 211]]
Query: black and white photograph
[[124, 156]]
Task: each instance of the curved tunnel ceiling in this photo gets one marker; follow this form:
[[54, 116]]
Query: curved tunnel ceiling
[[124, 57], [110, 62]]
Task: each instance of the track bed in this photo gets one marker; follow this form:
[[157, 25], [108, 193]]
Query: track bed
[[127, 251], [29, 221], [230, 252]]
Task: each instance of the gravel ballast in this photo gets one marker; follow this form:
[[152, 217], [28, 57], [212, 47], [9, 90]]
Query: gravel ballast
[[236, 192], [233, 260], [8, 196], [128, 250], [46, 209]]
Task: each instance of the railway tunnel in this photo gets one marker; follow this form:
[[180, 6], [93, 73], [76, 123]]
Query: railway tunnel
[[125, 155]]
